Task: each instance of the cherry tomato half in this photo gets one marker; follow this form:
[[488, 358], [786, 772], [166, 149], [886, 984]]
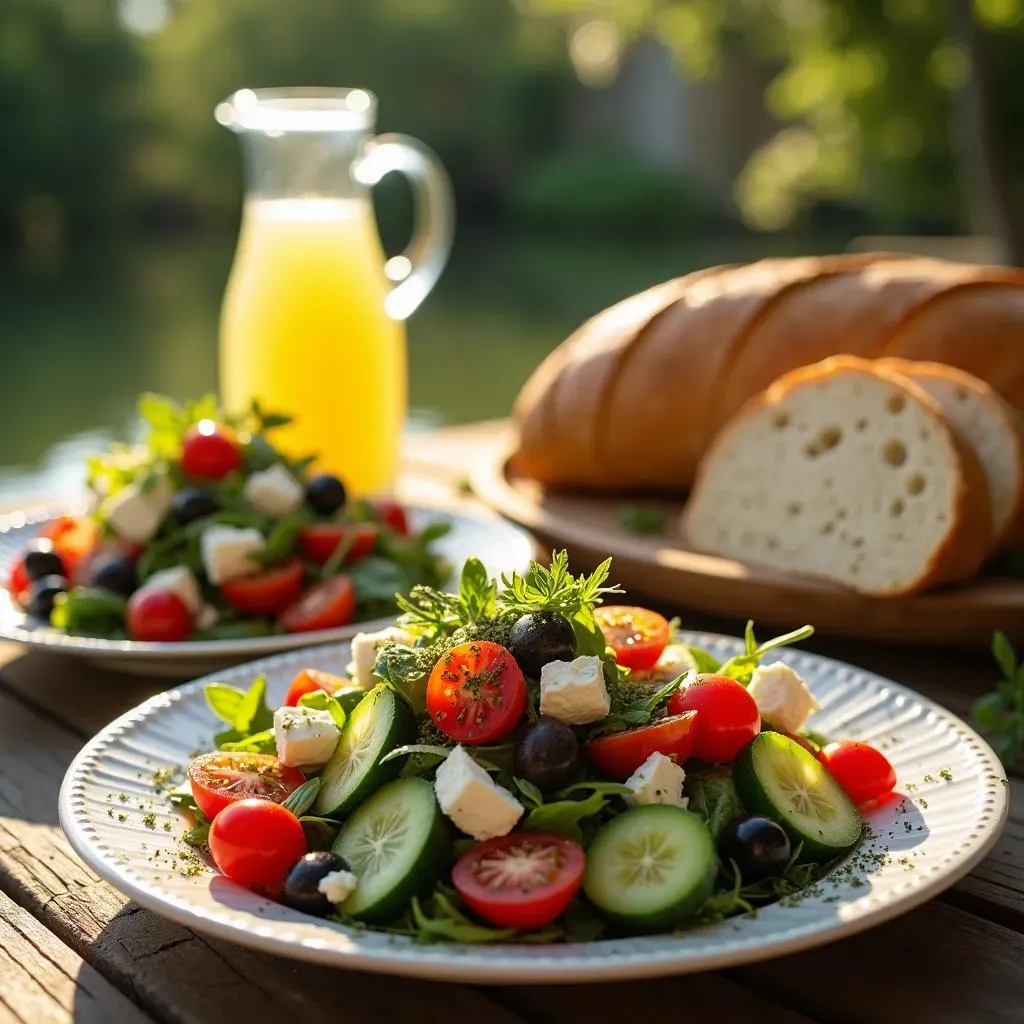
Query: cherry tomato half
[[75, 540], [636, 635], [523, 880], [257, 843], [221, 778], [309, 680], [619, 754], [320, 540], [267, 593], [18, 582], [392, 514], [209, 451], [158, 615], [326, 606], [476, 693], [727, 719], [863, 771]]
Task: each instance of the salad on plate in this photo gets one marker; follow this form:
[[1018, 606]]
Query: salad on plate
[[525, 763], [206, 531]]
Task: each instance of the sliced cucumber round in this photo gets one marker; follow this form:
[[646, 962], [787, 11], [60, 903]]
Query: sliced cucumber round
[[778, 778], [651, 868], [397, 845], [380, 722]]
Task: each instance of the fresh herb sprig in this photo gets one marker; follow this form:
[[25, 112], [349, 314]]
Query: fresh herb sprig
[[1000, 714]]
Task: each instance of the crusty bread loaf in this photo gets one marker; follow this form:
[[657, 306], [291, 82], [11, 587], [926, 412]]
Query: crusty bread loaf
[[632, 400], [847, 471], [990, 426]]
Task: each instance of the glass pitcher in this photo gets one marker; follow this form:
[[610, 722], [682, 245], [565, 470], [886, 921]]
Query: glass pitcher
[[311, 325]]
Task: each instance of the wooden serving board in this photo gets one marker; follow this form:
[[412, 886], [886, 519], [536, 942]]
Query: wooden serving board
[[661, 566]]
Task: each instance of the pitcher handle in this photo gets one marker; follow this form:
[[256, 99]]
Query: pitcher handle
[[419, 267]]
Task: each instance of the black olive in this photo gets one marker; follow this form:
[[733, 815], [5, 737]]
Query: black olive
[[41, 560], [541, 637], [759, 846], [193, 503], [548, 755], [325, 494], [301, 890], [114, 572], [42, 593]]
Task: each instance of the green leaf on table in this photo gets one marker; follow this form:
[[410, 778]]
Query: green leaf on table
[[445, 921], [257, 743], [713, 796], [224, 701], [253, 714], [477, 591], [529, 792], [302, 799], [159, 412], [741, 667], [564, 816], [1003, 652], [283, 537], [705, 663], [90, 611], [320, 700]]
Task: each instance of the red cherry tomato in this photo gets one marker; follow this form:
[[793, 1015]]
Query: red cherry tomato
[[75, 540], [863, 771], [309, 680], [209, 451], [257, 843], [727, 718], [523, 880], [619, 754], [476, 693], [18, 582], [637, 635], [223, 777], [158, 615], [392, 514], [320, 540], [267, 593], [57, 527], [326, 606]]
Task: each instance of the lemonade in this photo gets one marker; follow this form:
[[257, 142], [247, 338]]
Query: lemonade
[[304, 330]]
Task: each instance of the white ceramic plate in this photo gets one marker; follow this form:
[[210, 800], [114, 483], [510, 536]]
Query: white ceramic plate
[[501, 546], [953, 808]]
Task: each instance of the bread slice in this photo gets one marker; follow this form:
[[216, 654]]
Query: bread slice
[[989, 425], [846, 471]]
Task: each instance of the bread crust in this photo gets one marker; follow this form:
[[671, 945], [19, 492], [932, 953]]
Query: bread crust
[[968, 538]]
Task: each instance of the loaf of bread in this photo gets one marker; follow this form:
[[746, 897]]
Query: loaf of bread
[[632, 400], [849, 471]]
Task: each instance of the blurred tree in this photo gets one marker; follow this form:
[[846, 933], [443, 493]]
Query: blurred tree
[[872, 94], [68, 82]]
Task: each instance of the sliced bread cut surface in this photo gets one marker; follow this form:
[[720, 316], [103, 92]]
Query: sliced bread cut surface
[[988, 423], [845, 471]]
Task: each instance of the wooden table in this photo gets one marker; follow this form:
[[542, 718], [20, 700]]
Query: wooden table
[[72, 947]]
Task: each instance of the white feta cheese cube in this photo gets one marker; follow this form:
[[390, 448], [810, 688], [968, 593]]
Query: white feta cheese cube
[[178, 580], [364, 653], [675, 661], [337, 886], [782, 696], [208, 617], [228, 551], [659, 780], [274, 491], [305, 737], [472, 800], [574, 691], [135, 515]]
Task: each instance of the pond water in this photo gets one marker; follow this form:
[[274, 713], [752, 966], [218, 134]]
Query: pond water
[[81, 337]]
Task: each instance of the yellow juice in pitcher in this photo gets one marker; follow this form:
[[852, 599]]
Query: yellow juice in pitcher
[[303, 329]]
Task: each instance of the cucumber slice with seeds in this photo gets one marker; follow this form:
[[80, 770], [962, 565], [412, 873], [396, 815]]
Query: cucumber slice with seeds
[[397, 845], [380, 722], [651, 868], [778, 778]]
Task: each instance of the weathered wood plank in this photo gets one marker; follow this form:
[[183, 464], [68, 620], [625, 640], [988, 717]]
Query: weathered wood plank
[[172, 972], [936, 964], [43, 982]]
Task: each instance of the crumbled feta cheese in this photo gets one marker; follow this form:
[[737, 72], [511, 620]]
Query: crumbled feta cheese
[[675, 661], [274, 491], [574, 691], [364, 653], [228, 551], [468, 796], [178, 580], [208, 617], [659, 780], [305, 737], [337, 886], [782, 696], [134, 514]]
